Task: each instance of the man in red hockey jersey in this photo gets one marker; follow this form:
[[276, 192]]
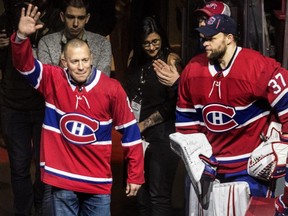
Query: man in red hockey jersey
[[82, 106], [228, 93]]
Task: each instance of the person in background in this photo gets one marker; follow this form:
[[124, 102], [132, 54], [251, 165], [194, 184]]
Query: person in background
[[211, 8], [230, 94], [166, 73], [82, 106], [154, 108], [22, 112], [75, 14]]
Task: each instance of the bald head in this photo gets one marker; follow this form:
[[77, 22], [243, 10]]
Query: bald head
[[75, 43]]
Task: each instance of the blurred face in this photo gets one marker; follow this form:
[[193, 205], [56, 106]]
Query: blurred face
[[215, 46], [202, 19], [78, 60], [152, 44], [75, 20]]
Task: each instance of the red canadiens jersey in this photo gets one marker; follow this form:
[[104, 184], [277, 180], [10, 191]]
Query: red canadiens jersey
[[76, 136], [232, 107]]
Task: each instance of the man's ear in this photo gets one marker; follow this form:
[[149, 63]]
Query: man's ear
[[91, 57], [87, 18], [230, 38], [63, 62], [62, 16]]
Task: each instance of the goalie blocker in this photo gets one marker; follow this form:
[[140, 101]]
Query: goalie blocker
[[204, 193], [196, 153]]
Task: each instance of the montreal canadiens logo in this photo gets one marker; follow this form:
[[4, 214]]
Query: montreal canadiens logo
[[219, 118], [79, 129], [211, 20]]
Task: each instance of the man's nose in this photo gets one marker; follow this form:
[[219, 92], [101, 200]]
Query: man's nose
[[202, 23], [75, 23], [80, 65]]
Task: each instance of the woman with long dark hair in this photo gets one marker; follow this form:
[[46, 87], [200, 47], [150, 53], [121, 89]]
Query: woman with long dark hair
[[154, 108]]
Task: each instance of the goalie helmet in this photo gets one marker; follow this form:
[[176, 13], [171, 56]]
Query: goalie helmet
[[268, 160]]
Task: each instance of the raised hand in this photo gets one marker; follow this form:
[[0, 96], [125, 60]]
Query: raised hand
[[167, 74], [28, 21]]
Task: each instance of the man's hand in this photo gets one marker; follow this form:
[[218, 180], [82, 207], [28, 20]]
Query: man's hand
[[28, 21], [167, 74], [141, 126], [132, 189], [211, 164]]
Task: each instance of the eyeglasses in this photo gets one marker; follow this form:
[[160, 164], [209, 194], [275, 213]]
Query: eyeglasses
[[155, 42]]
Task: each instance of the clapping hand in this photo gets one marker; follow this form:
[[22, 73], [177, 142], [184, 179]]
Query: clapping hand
[[28, 21], [167, 74]]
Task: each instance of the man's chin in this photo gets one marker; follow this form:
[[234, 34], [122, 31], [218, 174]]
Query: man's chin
[[80, 79], [74, 34], [208, 54]]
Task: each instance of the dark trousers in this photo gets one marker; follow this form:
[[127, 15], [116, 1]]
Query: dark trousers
[[154, 197], [21, 133]]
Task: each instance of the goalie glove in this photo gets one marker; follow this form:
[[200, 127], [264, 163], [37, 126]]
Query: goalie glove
[[280, 207], [268, 160]]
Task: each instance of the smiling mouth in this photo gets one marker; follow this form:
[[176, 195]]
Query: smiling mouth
[[81, 73], [153, 51]]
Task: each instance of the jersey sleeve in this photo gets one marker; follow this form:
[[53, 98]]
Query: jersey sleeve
[[277, 90], [187, 118], [36, 73], [126, 124], [22, 55]]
